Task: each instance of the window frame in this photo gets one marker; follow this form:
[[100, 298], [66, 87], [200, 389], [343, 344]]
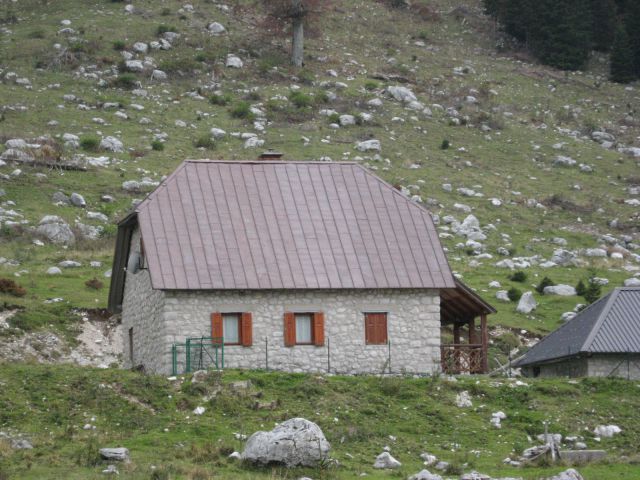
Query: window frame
[[239, 320], [386, 330], [312, 319]]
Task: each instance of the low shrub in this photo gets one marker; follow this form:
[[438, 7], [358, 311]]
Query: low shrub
[[11, 287], [445, 144], [518, 276], [119, 45], [581, 288], [545, 282], [242, 110], [157, 145], [220, 99], [125, 80], [163, 28], [205, 142], [94, 284], [370, 85], [301, 99], [89, 143], [514, 294]]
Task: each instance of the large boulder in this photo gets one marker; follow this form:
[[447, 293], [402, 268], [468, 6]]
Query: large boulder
[[425, 475], [55, 230], [294, 442], [561, 290], [527, 303], [368, 145], [385, 460], [112, 144], [119, 454], [402, 94]]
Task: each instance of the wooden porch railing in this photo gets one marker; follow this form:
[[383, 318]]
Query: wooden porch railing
[[463, 358]]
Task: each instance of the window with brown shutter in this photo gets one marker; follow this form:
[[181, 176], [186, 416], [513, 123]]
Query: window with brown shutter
[[304, 328], [375, 328], [234, 328]]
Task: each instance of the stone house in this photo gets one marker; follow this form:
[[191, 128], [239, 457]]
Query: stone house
[[295, 266], [603, 340]]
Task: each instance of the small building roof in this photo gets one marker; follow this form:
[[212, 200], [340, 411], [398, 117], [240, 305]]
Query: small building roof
[[219, 225], [609, 325]]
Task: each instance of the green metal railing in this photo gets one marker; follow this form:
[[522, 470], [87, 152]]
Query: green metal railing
[[198, 353]]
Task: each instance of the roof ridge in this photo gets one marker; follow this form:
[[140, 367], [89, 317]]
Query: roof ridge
[[272, 162], [601, 318]]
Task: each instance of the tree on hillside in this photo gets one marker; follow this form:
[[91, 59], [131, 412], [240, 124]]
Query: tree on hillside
[[622, 62], [604, 17], [293, 16], [632, 23]]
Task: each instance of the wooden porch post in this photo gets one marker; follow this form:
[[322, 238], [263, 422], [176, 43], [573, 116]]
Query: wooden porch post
[[472, 331], [456, 333], [456, 348], [485, 343]]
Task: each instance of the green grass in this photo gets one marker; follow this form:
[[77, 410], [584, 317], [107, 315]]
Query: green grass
[[152, 417]]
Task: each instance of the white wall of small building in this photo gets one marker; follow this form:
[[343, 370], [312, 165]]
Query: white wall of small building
[[413, 328]]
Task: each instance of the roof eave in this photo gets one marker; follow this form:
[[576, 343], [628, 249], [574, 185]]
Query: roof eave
[[121, 254]]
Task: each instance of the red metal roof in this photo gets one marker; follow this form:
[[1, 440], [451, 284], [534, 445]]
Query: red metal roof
[[287, 225]]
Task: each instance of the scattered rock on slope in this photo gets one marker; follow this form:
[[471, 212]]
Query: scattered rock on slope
[[294, 442]]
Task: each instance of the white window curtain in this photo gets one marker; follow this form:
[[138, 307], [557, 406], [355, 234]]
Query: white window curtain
[[303, 328], [230, 328]]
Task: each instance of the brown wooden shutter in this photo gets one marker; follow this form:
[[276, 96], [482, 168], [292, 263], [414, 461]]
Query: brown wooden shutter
[[289, 329], [216, 325], [382, 338], [368, 328], [318, 329], [246, 328]]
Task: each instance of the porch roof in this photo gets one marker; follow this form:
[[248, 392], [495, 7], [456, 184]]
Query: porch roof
[[461, 304]]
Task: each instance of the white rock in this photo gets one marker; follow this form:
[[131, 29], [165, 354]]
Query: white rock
[[561, 290], [234, 61], [346, 120], [253, 142], [199, 410], [112, 144], [385, 460], [463, 400], [402, 94], [527, 303], [216, 28], [218, 133], [159, 75], [54, 271], [632, 282], [140, 47], [294, 442], [570, 474], [425, 475], [134, 65], [503, 296], [369, 145]]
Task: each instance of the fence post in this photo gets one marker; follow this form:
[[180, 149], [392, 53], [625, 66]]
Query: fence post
[[328, 355], [174, 367], [188, 353]]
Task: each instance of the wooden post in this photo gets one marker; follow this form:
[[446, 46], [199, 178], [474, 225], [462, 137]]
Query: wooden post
[[456, 333], [472, 331], [456, 348], [485, 343]]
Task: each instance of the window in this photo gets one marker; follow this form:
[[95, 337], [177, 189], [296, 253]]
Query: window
[[234, 328], [375, 326], [303, 328], [231, 328]]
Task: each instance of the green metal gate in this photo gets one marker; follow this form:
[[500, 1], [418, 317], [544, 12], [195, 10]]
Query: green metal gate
[[198, 353]]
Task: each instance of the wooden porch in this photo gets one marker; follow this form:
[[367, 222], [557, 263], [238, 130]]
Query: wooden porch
[[468, 352]]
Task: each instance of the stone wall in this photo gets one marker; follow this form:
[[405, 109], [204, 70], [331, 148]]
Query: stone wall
[[413, 329], [574, 367], [142, 309], [615, 365]]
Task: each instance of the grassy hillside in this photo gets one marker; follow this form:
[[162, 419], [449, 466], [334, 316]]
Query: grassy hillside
[[153, 418], [520, 118]]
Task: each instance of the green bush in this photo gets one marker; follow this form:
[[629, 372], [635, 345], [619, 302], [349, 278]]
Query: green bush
[[242, 110], [300, 99], [518, 276], [157, 145], [119, 45], [126, 81], [182, 64], [545, 282], [581, 288], [205, 142], [593, 292], [334, 118], [90, 143], [370, 85], [220, 99], [445, 144], [514, 294], [163, 28]]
